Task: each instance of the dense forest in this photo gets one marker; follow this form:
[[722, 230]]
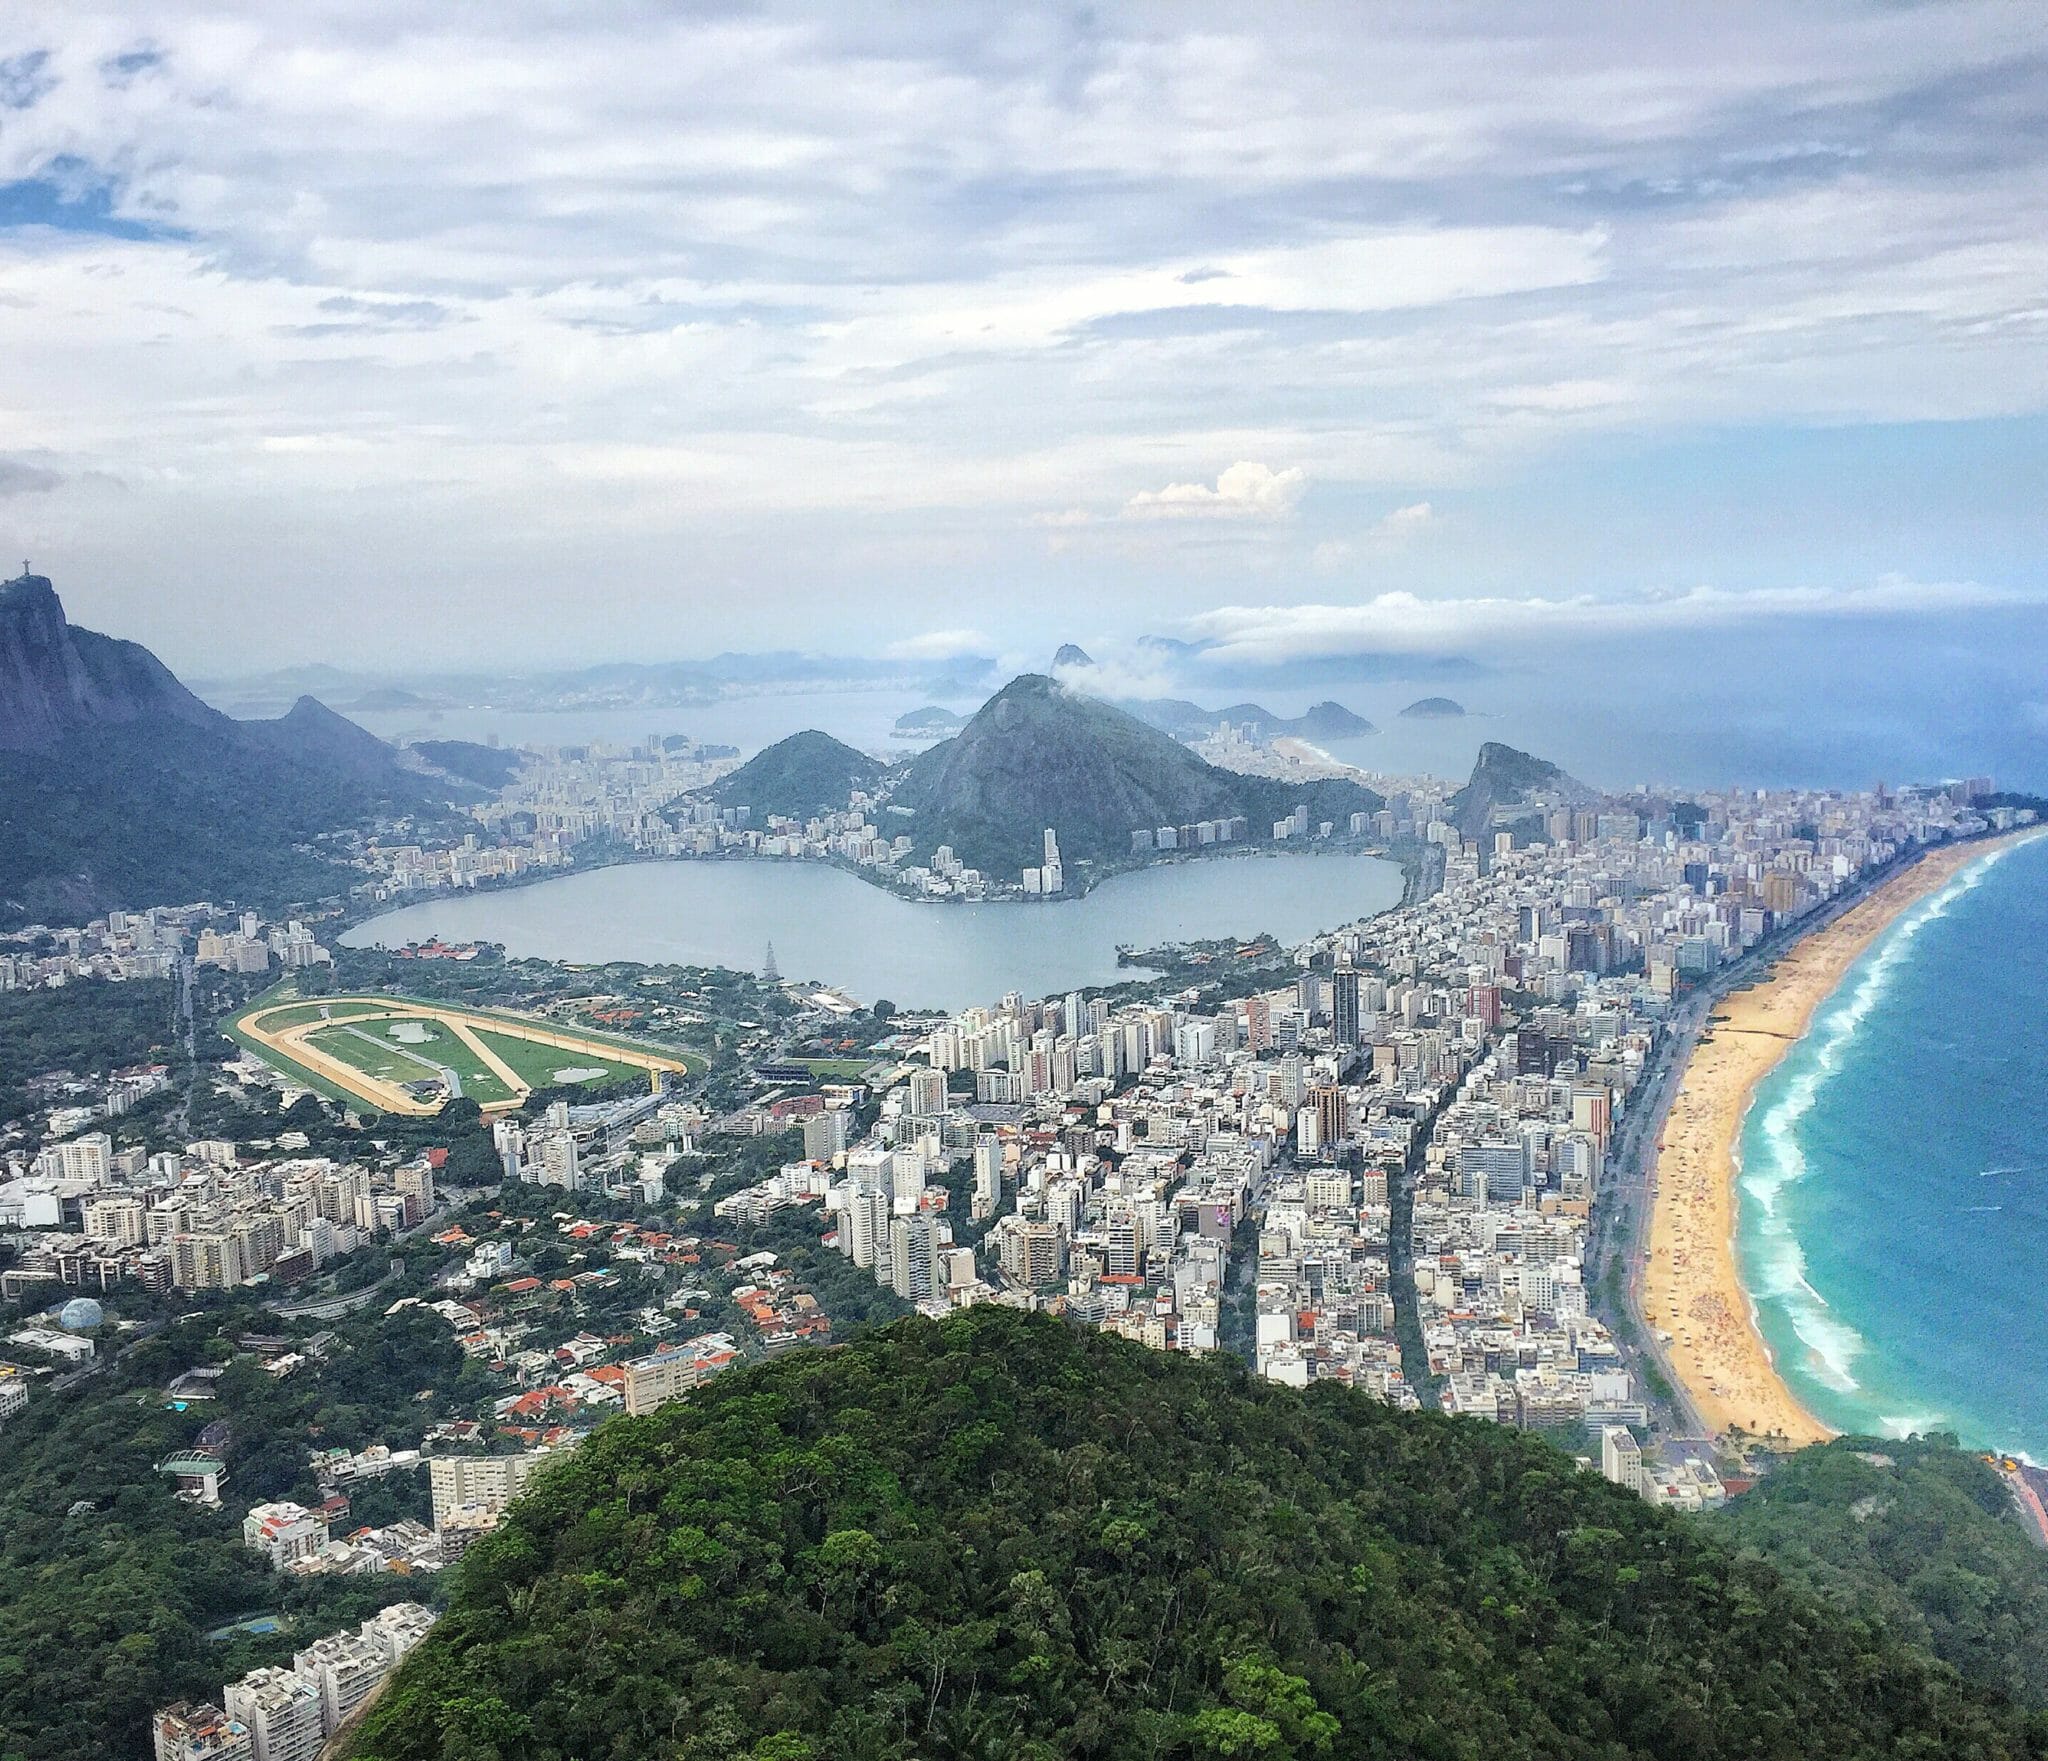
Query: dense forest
[[87, 1029], [994, 1536], [1918, 1534]]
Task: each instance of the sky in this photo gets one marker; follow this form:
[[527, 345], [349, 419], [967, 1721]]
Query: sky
[[512, 334]]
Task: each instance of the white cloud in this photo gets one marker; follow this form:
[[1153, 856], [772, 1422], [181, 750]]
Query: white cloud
[[1245, 491], [940, 645], [1403, 523], [1117, 679], [1407, 623], [634, 299]]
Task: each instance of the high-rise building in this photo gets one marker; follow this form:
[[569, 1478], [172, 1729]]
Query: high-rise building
[[283, 1712], [482, 1482], [1621, 1457], [927, 1094], [1344, 1010], [988, 1176], [914, 1263], [667, 1373]]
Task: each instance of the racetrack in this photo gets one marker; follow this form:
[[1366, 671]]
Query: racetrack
[[284, 1033]]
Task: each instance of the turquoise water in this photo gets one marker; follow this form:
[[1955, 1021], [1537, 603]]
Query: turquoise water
[[1894, 1190], [830, 926]]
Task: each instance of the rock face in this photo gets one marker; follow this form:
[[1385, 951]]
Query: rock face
[[57, 680], [1503, 778], [119, 787], [807, 774], [1038, 755], [1434, 709]]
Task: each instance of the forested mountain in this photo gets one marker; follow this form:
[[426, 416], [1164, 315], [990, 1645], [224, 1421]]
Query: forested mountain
[[805, 775], [996, 1536], [119, 787], [1038, 754], [1919, 1534]]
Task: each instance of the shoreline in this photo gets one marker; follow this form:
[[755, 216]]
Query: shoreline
[[1692, 1284]]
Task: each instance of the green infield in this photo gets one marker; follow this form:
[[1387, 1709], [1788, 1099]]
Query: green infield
[[838, 1069], [411, 1050], [299, 1014], [540, 1066]]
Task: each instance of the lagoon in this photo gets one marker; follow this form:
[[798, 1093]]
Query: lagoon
[[830, 926]]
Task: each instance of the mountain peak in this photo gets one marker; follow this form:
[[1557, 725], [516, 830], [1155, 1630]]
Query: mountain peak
[[1070, 654], [1503, 777], [1038, 755], [57, 680], [807, 774]]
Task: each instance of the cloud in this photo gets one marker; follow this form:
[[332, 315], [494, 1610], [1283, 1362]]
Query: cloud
[[18, 478], [941, 645], [1407, 623], [1116, 679], [1403, 523], [1245, 491], [587, 303]]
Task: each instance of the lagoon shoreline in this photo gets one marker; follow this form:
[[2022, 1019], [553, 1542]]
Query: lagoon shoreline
[[1693, 1288]]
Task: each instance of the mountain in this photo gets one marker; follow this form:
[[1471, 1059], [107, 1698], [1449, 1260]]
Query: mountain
[[119, 787], [1434, 709], [1329, 721], [57, 681], [805, 775], [489, 767], [312, 735], [1070, 654], [1037, 755], [1919, 1534], [1000, 1536], [1190, 721], [1504, 778]]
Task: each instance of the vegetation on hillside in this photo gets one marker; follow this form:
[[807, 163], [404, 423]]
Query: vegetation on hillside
[[1038, 755], [489, 767], [994, 1536], [801, 777], [109, 1586], [1919, 1534]]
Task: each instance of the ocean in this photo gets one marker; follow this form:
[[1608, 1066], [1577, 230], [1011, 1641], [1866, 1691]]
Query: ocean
[[1893, 1226]]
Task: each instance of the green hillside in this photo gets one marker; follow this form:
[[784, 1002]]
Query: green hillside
[[805, 775], [1037, 755], [1919, 1534], [994, 1536]]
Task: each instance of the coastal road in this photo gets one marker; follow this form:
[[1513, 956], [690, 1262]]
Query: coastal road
[[1621, 1220]]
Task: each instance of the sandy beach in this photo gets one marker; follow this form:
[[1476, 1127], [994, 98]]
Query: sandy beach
[[1691, 1287]]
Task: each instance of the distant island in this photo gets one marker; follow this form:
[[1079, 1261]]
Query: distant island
[[1425, 709], [928, 722], [1190, 721]]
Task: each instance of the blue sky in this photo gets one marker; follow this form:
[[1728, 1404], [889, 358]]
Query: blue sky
[[526, 334]]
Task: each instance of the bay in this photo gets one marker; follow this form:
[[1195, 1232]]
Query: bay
[[830, 926]]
